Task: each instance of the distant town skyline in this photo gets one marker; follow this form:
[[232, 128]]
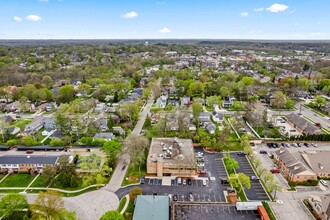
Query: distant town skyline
[[165, 19]]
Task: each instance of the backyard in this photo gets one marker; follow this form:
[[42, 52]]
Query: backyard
[[133, 174], [17, 180]]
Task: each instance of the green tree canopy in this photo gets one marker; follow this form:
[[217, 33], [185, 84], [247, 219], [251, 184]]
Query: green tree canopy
[[12, 204], [112, 215]]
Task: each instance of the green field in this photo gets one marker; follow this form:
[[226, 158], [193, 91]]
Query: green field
[[21, 123], [17, 180], [39, 182], [133, 175]]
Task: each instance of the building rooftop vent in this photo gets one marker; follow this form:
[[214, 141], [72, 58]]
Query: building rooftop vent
[[321, 166]]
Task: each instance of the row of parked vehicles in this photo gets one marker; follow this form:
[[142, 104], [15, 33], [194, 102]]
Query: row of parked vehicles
[[288, 145]]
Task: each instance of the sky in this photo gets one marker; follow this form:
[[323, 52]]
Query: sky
[[165, 19]]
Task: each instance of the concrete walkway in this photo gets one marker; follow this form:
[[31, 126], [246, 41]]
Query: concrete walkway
[[4, 178], [31, 183], [125, 206]]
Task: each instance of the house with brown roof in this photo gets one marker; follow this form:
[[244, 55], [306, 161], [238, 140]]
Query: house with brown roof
[[292, 168], [302, 125]]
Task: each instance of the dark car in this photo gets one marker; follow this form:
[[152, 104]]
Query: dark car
[[263, 152], [175, 197], [299, 145], [224, 180], [275, 171], [306, 144], [189, 181], [276, 145], [29, 151], [142, 179], [241, 154], [18, 116]]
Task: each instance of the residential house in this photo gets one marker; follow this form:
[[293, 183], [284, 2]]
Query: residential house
[[173, 102], [119, 130], [210, 128], [321, 205], [8, 119], [204, 118], [228, 103], [102, 124], [217, 116], [152, 207], [302, 125], [318, 161], [185, 101], [12, 107], [49, 123], [161, 102], [35, 125], [100, 107], [293, 169], [104, 135], [22, 163], [13, 130]]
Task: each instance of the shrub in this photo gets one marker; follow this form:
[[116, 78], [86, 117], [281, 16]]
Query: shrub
[[12, 142], [293, 184]]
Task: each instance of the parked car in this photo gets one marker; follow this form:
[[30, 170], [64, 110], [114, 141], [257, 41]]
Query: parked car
[[202, 172], [18, 116], [299, 145], [314, 145], [191, 197], [184, 182], [241, 154], [324, 183], [254, 178], [142, 179], [306, 144], [189, 181], [29, 151], [275, 171], [179, 181], [175, 197], [204, 182], [263, 152], [224, 180]]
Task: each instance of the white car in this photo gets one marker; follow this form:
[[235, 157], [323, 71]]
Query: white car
[[204, 182], [179, 180], [324, 183], [184, 182]]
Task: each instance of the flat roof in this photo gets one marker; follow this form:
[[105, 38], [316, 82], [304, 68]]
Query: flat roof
[[152, 208], [28, 159], [182, 151]]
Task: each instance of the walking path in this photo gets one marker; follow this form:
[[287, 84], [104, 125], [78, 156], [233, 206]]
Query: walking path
[[4, 178], [31, 183]]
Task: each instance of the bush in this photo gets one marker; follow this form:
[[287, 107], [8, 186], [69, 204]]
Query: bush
[[269, 211], [12, 142], [86, 140], [57, 142], [305, 183]]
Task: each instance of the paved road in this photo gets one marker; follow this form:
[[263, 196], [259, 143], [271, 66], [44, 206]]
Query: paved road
[[124, 158]]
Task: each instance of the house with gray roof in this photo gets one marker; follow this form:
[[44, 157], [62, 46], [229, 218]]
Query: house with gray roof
[[104, 135], [321, 205], [318, 161], [204, 118], [26, 162], [35, 125], [210, 127], [302, 125], [152, 208]]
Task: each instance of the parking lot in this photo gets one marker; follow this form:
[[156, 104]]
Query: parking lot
[[211, 212], [256, 192]]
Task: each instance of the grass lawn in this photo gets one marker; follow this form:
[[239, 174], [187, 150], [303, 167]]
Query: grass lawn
[[21, 123], [2, 176], [122, 204], [17, 180], [128, 215], [133, 174], [269, 211], [39, 182]]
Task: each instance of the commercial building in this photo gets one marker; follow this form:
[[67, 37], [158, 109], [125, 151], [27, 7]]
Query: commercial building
[[321, 205], [21, 163], [292, 168], [302, 125], [171, 157], [318, 161], [152, 208]]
